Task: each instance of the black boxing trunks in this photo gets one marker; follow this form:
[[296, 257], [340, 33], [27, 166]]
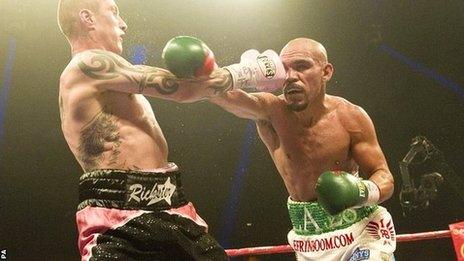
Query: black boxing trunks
[[135, 215]]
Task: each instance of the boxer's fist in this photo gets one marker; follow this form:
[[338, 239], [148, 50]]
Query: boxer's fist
[[264, 72], [187, 56], [337, 191]]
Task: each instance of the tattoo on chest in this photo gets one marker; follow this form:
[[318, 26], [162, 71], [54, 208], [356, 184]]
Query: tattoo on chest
[[107, 66], [102, 130]]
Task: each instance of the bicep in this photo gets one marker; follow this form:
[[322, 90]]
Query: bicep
[[109, 71], [254, 106], [369, 156], [365, 147]]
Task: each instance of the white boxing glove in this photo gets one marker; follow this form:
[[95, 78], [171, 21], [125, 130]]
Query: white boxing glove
[[263, 72]]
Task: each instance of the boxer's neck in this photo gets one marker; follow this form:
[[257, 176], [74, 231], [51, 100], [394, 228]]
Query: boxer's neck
[[84, 43]]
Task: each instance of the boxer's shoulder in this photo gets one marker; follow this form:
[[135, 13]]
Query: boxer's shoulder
[[352, 117], [92, 61], [90, 65], [69, 76], [345, 110]]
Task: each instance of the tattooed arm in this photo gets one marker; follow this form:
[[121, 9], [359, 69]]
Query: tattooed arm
[[109, 71]]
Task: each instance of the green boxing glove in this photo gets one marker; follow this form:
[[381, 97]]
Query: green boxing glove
[[337, 191], [187, 56]]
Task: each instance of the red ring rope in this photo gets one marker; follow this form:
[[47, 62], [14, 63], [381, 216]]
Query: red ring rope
[[265, 250]]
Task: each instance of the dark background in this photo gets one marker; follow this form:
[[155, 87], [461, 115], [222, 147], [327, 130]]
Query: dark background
[[399, 60]]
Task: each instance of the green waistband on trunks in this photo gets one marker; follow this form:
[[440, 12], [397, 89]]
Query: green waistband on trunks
[[309, 218]]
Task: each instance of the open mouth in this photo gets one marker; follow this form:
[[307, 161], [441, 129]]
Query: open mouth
[[121, 37], [293, 91], [290, 90]]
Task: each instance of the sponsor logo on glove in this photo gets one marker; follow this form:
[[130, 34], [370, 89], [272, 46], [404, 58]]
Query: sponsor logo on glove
[[266, 65]]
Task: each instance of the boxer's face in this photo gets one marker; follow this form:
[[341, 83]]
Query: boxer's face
[[307, 73], [109, 26]]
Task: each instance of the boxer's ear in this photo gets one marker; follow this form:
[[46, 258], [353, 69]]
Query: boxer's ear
[[327, 72], [87, 18]]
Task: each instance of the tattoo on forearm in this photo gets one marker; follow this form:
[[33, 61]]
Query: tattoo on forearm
[[168, 84], [101, 130], [106, 66], [224, 82]]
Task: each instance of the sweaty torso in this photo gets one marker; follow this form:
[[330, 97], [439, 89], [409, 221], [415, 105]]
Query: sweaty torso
[[303, 148], [108, 129]]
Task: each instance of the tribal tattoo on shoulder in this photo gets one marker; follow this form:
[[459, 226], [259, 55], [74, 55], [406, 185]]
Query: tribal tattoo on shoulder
[[106, 65], [101, 130]]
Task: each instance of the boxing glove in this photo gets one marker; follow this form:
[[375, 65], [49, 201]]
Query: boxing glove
[[187, 56], [263, 72], [337, 191]]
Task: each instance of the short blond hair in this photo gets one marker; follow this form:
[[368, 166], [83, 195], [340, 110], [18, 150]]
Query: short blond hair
[[68, 14]]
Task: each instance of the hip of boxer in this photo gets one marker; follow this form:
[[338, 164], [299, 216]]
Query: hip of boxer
[[363, 233], [155, 190], [140, 215]]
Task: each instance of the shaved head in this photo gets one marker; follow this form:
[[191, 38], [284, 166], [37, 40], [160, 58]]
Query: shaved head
[[305, 46], [308, 72], [68, 14]]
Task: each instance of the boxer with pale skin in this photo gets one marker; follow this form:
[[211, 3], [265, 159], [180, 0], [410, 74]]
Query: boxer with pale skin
[[132, 205], [106, 120], [317, 141]]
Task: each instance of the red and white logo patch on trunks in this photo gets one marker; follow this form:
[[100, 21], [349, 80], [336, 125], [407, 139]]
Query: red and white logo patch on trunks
[[382, 230]]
